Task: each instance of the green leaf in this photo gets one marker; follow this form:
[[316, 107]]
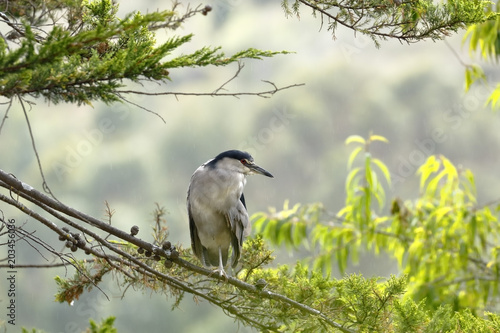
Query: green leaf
[[494, 97], [378, 138], [441, 211], [353, 155], [472, 74], [433, 184], [284, 234], [429, 167], [449, 168], [299, 235], [415, 249], [259, 222], [344, 211], [350, 177], [355, 138], [380, 195], [383, 168], [342, 254]]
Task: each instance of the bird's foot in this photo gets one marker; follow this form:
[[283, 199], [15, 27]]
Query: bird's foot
[[221, 272], [220, 269]]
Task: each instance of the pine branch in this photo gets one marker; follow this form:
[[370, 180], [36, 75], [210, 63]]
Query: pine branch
[[404, 20], [69, 216], [91, 63]]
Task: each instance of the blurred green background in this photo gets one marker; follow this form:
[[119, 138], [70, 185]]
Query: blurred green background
[[411, 94]]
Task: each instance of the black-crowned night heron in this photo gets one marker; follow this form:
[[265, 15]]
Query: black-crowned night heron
[[218, 218]]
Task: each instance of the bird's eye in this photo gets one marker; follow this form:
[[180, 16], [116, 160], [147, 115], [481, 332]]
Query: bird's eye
[[244, 161]]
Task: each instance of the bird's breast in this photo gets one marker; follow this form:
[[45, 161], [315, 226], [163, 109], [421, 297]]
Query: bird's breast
[[217, 189]]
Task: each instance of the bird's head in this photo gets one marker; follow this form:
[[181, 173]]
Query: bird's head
[[238, 161]]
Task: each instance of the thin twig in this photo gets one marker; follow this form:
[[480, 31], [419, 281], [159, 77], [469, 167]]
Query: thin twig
[[44, 182], [238, 71], [140, 107], [56, 265], [264, 94], [6, 114], [175, 21]]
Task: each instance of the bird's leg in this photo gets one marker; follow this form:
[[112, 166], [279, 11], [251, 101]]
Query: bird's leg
[[220, 269]]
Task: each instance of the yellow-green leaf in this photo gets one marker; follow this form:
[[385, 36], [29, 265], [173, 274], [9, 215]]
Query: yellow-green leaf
[[353, 155], [415, 248], [494, 97], [430, 166], [449, 167], [355, 138], [442, 211], [383, 168], [378, 138], [350, 177], [433, 184]]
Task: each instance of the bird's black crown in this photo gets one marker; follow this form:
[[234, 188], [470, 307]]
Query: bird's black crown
[[236, 154]]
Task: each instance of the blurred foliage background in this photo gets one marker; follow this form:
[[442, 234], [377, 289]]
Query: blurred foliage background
[[411, 94]]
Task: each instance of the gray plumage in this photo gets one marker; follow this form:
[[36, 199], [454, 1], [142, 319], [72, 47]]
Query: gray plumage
[[218, 219]]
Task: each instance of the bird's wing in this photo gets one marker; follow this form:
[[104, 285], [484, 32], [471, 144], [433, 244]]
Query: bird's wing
[[195, 240], [240, 228], [242, 199]]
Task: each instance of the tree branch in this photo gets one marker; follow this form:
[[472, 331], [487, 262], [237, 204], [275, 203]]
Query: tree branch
[[264, 94], [44, 182], [9, 103], [404, 20], [56, 209], [62, 264]]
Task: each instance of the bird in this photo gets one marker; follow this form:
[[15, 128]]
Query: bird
[[218, 218]]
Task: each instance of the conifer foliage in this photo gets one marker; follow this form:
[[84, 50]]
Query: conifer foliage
[[408, 21], [80, 51]]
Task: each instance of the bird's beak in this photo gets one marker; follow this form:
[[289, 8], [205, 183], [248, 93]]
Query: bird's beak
[[258, 170]]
